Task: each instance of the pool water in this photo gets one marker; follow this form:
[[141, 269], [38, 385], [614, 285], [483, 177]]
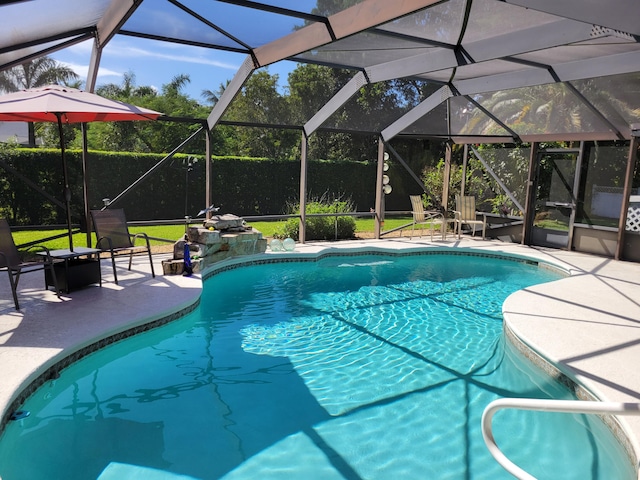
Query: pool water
[[362, 367]]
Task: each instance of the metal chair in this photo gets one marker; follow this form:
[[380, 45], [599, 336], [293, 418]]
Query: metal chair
[[11, 262], [113, 236], [426, 217], [465, 213]]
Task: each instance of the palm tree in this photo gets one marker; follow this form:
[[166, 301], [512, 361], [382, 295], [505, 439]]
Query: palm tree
[[175, 85], [127, 90], [540, 109], [211, 97], [35, 73]]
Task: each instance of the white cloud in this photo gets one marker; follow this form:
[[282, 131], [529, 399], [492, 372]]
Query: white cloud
[[153, 63], [82, 48], [83, 70], [119, 48], [132, 52]]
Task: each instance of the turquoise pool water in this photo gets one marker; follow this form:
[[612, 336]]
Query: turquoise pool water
[[363, 367]]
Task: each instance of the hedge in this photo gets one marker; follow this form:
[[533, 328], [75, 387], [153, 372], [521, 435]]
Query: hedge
[[243, 186]]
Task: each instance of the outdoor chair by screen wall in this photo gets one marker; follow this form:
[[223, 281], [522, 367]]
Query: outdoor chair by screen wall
[[466, 214], [422, 217], [11, 262], [113, 236]]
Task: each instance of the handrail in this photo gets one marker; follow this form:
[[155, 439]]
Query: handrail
[[545, 405]]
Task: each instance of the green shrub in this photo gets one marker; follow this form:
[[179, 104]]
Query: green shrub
[[477, 183], [321, 228]]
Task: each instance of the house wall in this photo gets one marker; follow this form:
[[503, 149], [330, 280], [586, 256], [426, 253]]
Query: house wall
[[14, 131], [598, 241]]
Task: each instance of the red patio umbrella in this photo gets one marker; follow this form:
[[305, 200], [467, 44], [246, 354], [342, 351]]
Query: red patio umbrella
[[56, 103]]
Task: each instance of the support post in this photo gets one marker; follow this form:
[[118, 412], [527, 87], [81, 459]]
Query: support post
[[379, 208], [65, 176], [207, 175], [446, 177], [303, 188], [465, 160], [85, 188], [628, 183]]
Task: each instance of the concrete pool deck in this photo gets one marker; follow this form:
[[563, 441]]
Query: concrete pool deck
[[587, 324]]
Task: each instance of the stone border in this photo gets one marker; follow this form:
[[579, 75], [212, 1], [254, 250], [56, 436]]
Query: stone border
[[371, 251]]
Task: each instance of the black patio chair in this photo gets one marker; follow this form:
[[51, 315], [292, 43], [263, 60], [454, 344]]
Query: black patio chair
[[14, 265], [113, 236]]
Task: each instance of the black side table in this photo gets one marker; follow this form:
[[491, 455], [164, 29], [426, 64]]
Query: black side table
[[78, 268]]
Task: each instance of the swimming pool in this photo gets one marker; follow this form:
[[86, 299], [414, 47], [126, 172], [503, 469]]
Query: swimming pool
[[349, 367]]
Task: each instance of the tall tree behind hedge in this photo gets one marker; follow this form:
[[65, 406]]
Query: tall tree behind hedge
[[155, 136], [260, 102], [310, 87]]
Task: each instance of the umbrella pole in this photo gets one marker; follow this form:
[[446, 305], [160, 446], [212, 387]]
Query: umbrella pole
[[85, 188], [67, 190]]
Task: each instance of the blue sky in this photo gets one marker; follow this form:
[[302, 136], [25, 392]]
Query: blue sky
[[155, 63]]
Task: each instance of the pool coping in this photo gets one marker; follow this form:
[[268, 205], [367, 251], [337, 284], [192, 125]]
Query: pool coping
[[518, 311]]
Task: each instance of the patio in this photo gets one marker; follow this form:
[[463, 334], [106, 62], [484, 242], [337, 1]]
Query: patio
[[585, 324]]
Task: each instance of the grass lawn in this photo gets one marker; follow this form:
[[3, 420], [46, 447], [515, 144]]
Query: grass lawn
[[175, 232], [552, 225]]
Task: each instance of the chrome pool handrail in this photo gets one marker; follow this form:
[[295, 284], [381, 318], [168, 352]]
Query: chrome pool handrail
[[545, 405]]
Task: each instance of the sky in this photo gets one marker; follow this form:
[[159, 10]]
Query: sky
[[155, 63]]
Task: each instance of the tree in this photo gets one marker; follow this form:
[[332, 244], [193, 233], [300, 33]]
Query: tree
[[310, 87], [260, 102], [122, 136], [329, 7], [212, 97], [165, 136], [35, 73], [541, 109], [477, 183], [160, 136]]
